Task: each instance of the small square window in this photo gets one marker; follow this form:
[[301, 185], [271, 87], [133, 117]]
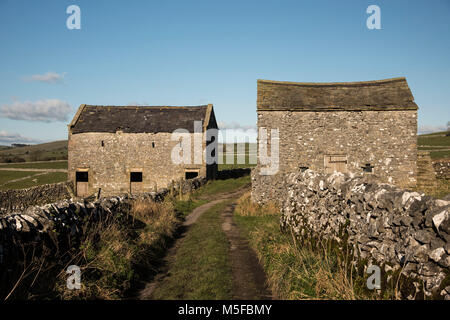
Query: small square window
[[367, 168]]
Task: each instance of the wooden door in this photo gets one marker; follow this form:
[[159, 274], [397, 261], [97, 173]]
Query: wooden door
[[335, 163]]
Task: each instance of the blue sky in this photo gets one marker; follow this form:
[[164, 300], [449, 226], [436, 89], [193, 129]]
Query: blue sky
[[198, 52]]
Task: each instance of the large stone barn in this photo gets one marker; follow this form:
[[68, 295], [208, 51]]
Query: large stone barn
[[129, 149], [365, 127]]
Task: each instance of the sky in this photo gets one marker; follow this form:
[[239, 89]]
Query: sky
[[197, 52]]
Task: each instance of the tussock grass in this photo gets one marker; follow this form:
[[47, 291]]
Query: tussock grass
[[113, 252], [441, 189], [246, 207]]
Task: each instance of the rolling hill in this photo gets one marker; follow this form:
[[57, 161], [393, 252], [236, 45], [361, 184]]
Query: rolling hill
[[56, 150]]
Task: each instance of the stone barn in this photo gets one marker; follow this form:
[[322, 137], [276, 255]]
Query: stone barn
[[128, 149], [367, 127]]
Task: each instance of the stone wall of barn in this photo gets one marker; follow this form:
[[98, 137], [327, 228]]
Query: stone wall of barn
[[386, 140], [110, 157]]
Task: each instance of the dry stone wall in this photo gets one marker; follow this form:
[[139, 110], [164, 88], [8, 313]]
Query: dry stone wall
[[64, 221], [396, 229], [19, 199], [442, 169]]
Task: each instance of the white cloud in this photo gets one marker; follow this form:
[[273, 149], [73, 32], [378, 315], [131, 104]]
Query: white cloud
[[235, 132], [9, 138], [231, 136], [235, 126], [136, 104], [49, 77], [47, 110], [431, 129]]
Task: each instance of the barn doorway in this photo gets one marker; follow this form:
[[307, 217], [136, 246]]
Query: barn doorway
[[82, 183], [336, 163], [136, 182]]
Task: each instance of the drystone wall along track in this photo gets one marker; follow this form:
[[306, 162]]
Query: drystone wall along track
[[387, 226]]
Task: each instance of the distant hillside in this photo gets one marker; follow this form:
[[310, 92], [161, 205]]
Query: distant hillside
[[56, 150]]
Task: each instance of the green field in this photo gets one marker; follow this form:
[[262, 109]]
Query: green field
[[36, 165], [236, 149], [35, 179], [438, 144], [6, 176]]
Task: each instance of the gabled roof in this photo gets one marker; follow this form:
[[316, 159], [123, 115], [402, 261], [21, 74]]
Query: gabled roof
[[138, 119], [388, 94]]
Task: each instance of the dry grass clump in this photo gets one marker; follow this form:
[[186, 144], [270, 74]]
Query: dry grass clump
[[298, 271], [159, 217], [440, 190], [245, 207]]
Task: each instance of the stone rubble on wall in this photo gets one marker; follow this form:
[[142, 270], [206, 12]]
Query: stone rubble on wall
[[386, 225], [442, 169], [267, 188]]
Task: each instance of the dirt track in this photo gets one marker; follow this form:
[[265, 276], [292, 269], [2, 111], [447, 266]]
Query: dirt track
[[249, 280]]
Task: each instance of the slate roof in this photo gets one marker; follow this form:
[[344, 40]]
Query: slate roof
[[388, 94], [136, 119]]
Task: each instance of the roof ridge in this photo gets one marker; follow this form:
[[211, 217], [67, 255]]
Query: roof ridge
[[137, 106], [325, 84]]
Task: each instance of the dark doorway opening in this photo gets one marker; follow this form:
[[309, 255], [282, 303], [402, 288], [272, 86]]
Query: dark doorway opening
[[135, 176], [136, 182], [82, 176]]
